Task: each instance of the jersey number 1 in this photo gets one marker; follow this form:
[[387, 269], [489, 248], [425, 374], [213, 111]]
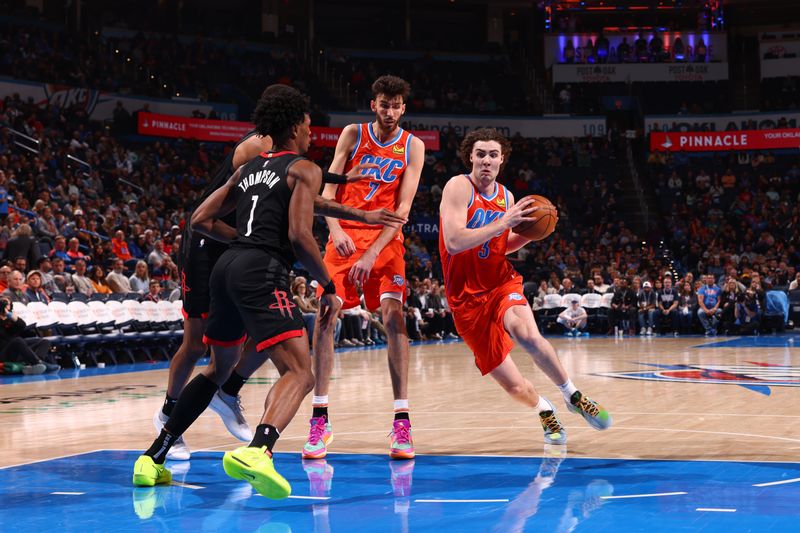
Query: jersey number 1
[[252, 213]]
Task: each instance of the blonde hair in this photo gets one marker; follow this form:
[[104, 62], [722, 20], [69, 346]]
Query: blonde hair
[[23, 230]]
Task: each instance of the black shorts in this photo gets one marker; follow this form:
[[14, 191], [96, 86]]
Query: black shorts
[[250, 297], [196, 259]]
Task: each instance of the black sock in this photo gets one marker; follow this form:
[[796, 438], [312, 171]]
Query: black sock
[[234, 384], [192, 402], [158, 450], [169, 403], [401, 415], [265, 435], [320, 410]]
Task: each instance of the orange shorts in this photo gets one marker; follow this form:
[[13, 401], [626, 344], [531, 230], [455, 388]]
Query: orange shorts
[[480, 324], [388, 274]]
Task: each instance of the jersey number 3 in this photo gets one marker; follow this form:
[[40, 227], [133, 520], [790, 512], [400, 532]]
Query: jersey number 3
[[252, 213]]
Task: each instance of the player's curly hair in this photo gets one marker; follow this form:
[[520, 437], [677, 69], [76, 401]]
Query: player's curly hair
[[484, 134], [391, 86], [279, 108]]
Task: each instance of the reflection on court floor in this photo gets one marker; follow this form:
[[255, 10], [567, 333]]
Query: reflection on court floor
[[357, 492]]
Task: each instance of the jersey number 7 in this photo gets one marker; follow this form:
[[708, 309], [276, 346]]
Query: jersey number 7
[[373, 188]]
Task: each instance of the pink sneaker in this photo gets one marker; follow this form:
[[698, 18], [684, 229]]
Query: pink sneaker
[[402, 475], [319, 437], [402, 447], [320, 476]]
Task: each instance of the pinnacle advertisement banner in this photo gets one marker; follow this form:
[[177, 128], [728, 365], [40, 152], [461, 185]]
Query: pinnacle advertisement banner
[[726, 141]]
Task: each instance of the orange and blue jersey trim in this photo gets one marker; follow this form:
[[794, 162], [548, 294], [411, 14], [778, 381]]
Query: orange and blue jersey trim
[[358, 143], [388, 143]]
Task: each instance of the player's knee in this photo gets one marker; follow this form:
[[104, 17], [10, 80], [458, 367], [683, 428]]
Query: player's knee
[[195, 349], [306, 378], [394, 321]]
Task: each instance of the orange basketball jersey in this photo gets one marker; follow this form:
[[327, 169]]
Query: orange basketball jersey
[[481, 269], [380, 189]]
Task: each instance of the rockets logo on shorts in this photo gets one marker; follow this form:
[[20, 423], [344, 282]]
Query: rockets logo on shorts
[[515, 296], [398, 280]]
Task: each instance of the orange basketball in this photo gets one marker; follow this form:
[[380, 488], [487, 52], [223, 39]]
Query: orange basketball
[[545, 223]]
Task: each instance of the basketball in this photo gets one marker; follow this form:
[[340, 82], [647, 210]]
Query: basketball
[[545, 223]]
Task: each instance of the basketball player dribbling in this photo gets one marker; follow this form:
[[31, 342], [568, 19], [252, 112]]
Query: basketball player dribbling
[[197, 256], [370, 256], [273, 196], [485, 292]]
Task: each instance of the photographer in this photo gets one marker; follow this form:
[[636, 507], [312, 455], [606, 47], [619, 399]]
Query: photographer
[[32, 352], [748, 313]]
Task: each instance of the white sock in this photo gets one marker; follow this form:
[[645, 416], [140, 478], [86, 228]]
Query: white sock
[[319, 400], [401, 405], [544, 405], [567, 389]]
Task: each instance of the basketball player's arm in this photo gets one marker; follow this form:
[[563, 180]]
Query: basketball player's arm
[[205, 219], [359, 272], [453, 208], [329, 208], [307, 180], [341, 241]]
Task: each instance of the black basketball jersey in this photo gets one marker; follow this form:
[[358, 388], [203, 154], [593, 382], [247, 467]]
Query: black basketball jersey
[[221, 176], [262, 205]]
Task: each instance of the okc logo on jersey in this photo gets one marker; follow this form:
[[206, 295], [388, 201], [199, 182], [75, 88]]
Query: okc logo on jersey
[[515, 297], [398, 280], [483, 217], [388, 171]]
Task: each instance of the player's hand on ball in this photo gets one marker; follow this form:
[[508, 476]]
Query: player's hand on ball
[[385, 217], [329, 306], [343, 243], [521, 212], [358, 173]]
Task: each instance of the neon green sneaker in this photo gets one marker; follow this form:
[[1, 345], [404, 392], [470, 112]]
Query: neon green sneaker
[[146, 500], [254, 465], [146, 473], [594, 413]]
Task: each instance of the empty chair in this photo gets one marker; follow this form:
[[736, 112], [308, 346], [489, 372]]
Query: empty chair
[[591, 302]]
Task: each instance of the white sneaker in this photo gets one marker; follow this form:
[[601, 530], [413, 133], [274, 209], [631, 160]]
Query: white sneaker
[[642, 331], [229, 408], [649, 332], [180, 450]]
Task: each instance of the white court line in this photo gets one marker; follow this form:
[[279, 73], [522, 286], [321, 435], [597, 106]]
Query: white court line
[[715, 510], [52, 458], [68, 493], [772, 483], [502, 500], [530, 427], [518, 413], [510, 456], [310, 497], [179, 484], [643, 495]]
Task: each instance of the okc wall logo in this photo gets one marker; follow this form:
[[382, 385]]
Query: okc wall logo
[[63, 96], [758, 377]]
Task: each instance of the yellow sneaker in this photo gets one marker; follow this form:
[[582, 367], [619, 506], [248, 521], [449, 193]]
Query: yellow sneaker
[[146, 473], [254, 465]]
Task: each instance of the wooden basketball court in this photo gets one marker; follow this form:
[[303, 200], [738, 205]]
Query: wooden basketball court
[[681, 399]]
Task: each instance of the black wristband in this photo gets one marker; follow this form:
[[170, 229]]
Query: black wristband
[[330, 177], [330, 288]]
